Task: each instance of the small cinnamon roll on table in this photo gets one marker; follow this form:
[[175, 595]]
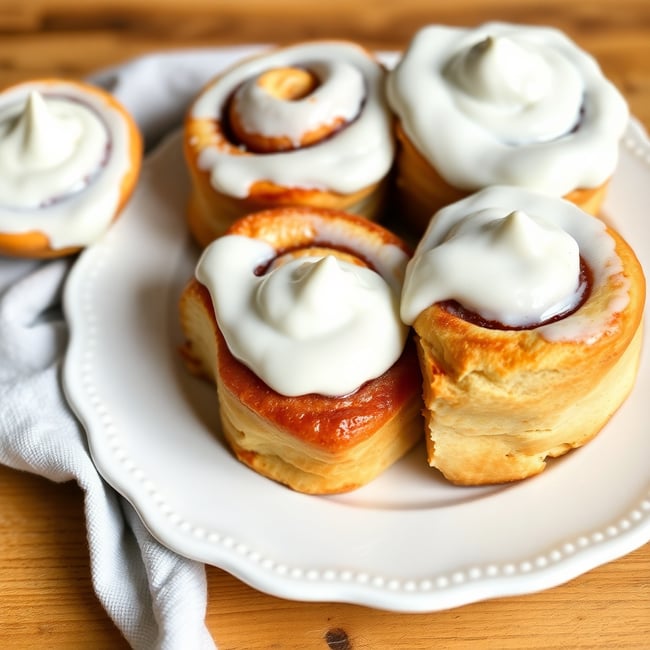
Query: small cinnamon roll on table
[[70, 156], [527, 313], [300, 125], [294, 314]]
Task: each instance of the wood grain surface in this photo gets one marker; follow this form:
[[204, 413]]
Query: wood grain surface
[[46, 596]]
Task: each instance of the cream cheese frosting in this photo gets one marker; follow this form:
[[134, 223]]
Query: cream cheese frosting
[[508, 104], [63, 153], [48, 149], [315, 324], [513, 256]]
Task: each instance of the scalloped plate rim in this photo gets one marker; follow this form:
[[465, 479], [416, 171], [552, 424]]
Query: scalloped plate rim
[[328, 577]]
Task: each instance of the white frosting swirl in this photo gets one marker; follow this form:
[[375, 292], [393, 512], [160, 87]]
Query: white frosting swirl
[[513, 256], [516, 89], [63, 154], [360, 154], [310, 325], [508, 104], [48, 148], [514, 269], [339, 95]]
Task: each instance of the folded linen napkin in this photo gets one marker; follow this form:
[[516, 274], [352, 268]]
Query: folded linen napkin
[[155, 597]]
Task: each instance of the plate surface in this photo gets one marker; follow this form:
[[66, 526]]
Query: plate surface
[[408, 541]]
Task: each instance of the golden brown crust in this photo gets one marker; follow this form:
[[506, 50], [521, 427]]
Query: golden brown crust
[[36, 244], [499, 402], [298, 228], [422, 191], [312, 443]]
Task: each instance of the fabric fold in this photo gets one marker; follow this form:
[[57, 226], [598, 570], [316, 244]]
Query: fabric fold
[[156, 598]]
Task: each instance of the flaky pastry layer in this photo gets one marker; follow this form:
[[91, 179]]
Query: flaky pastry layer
[[498, 403]]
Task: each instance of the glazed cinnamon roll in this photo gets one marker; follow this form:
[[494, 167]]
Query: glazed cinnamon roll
[[301, 125], [501, 104], [294, 314], [70, 156], [527, 313]]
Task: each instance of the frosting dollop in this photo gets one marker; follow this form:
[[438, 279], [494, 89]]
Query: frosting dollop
[[520, 91], [49, 147], [507, 104], [516, 269], [513, 256], [310, 325]]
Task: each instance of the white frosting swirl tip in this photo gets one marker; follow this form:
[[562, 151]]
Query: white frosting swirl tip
[[305, 298], [39, 137], [523, 78]]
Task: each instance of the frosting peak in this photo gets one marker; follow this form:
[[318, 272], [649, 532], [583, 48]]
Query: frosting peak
[[307, 298], [500, 70], [514, 256], [50, 146], [516, 269], [519, 91], [39, 138], [530, 237]]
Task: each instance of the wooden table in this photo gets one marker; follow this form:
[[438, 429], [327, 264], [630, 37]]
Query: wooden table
[[46, 597]]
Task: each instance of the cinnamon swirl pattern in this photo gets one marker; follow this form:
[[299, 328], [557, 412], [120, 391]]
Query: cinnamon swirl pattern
[[502, 104], [294, 314], [70, 156], [302, 125], [527, 313]]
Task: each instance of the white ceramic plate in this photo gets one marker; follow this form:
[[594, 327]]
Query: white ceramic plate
[[407, 542]]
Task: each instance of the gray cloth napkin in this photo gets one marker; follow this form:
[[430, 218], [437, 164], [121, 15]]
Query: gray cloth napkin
[[155, 597]]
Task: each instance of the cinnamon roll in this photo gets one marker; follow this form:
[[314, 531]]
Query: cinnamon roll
[[527, 313], [70, 156], [294, 314], [300, 125], [501, 104]]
